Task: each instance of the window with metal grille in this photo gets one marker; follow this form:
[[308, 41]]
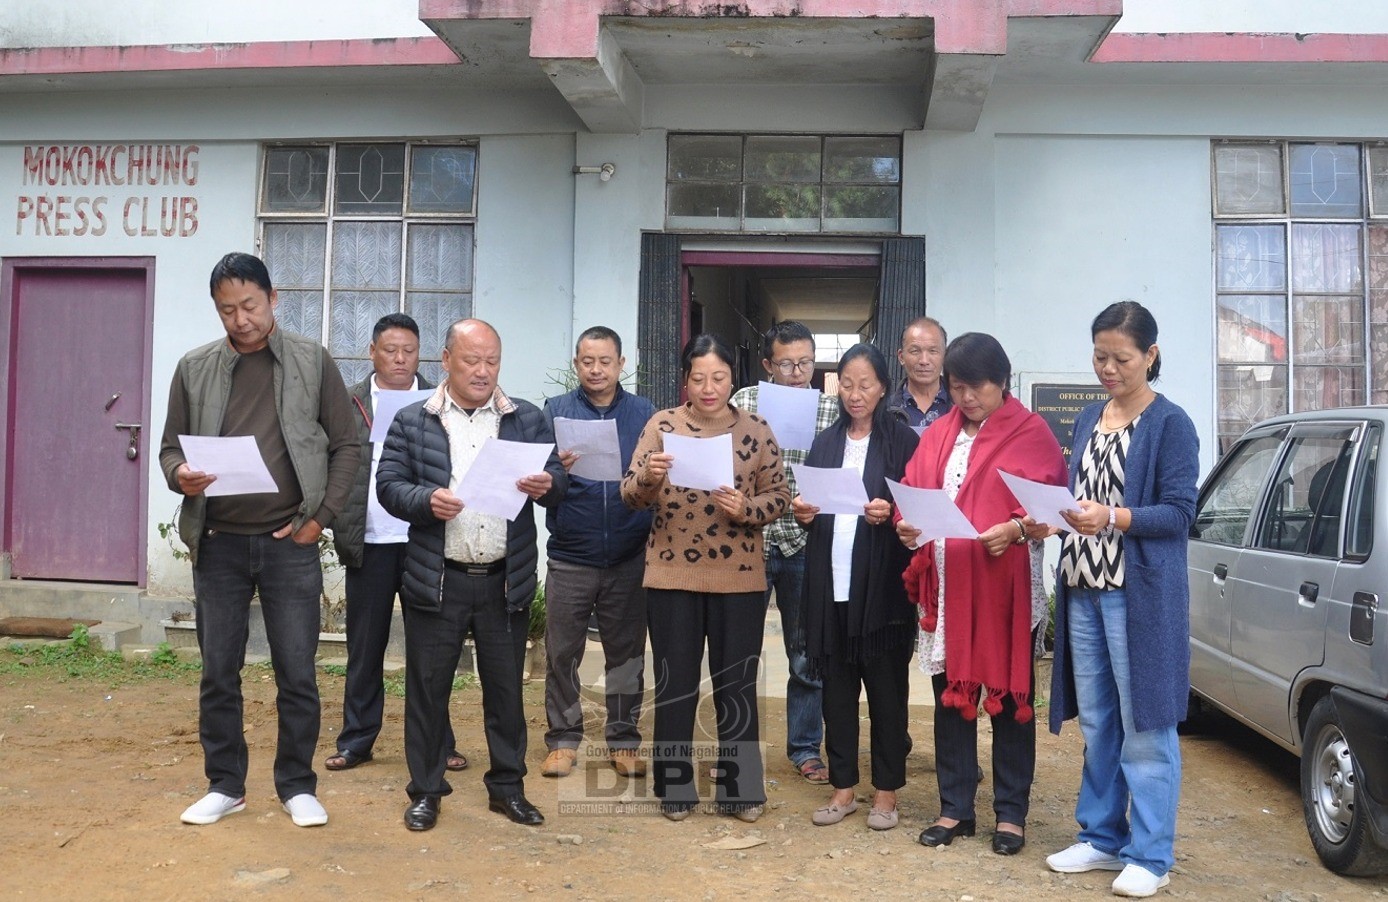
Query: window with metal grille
[[353, 231]]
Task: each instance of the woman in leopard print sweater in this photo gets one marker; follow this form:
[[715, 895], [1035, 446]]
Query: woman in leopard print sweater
[[705, 580]]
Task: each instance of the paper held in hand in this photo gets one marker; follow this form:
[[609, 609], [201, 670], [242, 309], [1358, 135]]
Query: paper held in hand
[[700, 463], [834, 490], [1043, 503], [932, 512], [489, 485], [792, 413], [388, 404], [234, 459], [595, 443]]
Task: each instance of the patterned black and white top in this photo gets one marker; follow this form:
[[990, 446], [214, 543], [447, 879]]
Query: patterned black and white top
[[1096, 562]]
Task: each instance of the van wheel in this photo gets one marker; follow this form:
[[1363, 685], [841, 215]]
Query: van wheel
[[1338, 825]]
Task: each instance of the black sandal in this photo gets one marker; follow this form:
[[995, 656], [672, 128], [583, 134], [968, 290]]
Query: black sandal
[[455, 760], [346, 760]]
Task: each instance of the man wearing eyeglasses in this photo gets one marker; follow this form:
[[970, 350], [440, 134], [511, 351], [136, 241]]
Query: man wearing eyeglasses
[[923, 396], [788, 358]]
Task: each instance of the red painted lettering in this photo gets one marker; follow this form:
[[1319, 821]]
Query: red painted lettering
[[43, 207], [26, 209], [190, 169], [116, 178], [33, 165], [99, 214], [188, 220], [83, 164], [52, 163], [130, 229], [61, 215]]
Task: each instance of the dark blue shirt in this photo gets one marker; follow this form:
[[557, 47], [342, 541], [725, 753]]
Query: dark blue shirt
[[917, 417]]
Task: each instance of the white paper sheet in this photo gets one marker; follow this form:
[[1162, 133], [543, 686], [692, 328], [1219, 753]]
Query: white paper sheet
[[388, 404], [700, 463], [834, 490], [595, 443], [791, 413], [234, 459], [489, 485], [1043, 503], [931, 511]]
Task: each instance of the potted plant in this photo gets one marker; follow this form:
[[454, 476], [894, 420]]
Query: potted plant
[[536, 660]]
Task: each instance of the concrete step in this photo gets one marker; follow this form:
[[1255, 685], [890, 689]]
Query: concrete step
[[110, 635], [128, 605]]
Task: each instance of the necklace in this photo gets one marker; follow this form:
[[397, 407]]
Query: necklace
[[1103, 418]]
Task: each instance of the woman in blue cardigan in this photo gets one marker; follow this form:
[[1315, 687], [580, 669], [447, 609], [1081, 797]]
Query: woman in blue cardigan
[[1122, 655]]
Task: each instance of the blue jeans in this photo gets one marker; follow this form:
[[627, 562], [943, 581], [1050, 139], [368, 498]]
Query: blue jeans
[[804, 696], [1126, 773], [230, 570]]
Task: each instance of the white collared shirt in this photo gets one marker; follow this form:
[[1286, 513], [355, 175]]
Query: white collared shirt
[[381, 527], [471, 538]]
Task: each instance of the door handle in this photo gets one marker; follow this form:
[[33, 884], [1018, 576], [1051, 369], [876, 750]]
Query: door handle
[[1306, 595], [1221, 571], [132, 451]]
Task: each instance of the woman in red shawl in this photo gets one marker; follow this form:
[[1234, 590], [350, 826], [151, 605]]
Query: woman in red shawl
[[981, 600]]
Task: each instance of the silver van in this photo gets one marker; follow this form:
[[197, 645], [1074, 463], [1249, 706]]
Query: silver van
[[1287, 633]]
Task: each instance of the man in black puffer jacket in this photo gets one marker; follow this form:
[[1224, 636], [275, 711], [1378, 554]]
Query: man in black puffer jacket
[[465, 571]]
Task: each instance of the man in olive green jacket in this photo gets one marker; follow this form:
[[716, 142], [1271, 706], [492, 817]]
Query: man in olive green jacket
[[285, 391]]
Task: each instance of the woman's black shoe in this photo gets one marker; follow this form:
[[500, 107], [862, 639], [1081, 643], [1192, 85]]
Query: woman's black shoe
[[1008, 843], [939, 835]]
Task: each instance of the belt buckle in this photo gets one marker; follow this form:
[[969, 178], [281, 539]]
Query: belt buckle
[[477, 569]]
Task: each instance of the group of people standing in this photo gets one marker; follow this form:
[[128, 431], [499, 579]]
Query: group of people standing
[[694, 571]]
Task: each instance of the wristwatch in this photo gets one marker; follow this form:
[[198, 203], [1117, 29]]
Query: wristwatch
[[1112, 523], [1021, 539]]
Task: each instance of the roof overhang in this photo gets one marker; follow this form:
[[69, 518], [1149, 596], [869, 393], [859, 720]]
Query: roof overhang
[[601, 54]]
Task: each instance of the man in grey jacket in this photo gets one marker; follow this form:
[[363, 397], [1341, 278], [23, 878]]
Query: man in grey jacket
[[285, 391]]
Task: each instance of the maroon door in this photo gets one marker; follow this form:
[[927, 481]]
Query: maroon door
[[78, 418]]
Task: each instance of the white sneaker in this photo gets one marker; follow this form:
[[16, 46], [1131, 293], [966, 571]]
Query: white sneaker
[[211, 808], [1138, 882], [305, 810], [1082, 857]]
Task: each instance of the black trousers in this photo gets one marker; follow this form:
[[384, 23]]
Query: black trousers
[[433, 645], [732, 624], [887, 679], [956, 759], [371, 591]]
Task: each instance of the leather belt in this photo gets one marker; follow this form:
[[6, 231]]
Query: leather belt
[[491, 569]]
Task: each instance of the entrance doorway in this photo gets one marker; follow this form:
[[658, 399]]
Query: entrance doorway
[[738, 294], [75, 344]]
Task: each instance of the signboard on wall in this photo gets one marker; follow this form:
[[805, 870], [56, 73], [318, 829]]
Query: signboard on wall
[[80, 190], [1059, 403]]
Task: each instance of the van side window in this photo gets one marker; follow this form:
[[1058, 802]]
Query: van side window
[[1305, 508], [1359, 537], [1228, 501]]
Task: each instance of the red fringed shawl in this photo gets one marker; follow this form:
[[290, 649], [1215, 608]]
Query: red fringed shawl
[[988, 641]]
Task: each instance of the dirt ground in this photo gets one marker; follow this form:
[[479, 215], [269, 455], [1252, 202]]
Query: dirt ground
[[93, 777]]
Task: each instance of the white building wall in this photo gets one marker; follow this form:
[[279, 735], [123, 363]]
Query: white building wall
[[78, 23], [1284, 16]]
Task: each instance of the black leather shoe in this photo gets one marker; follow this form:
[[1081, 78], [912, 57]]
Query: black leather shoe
[[518, 810], [423, 813], [939, 835], [1008, 843]]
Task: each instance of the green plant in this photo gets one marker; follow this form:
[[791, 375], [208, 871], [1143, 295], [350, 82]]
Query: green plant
[[535, 630], [163, 655], [1050, 623], [80, 639], [168, 531]]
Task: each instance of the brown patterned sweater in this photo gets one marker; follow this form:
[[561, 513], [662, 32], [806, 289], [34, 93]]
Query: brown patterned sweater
[[694, 546]]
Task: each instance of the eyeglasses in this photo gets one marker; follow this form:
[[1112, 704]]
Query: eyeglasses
[[790, 366]]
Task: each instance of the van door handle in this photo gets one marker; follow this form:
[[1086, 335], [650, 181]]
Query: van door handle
[[1221, 571], [1306, 595]]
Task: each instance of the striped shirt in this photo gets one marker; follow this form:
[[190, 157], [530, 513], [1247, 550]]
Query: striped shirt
[[1096, 562]]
